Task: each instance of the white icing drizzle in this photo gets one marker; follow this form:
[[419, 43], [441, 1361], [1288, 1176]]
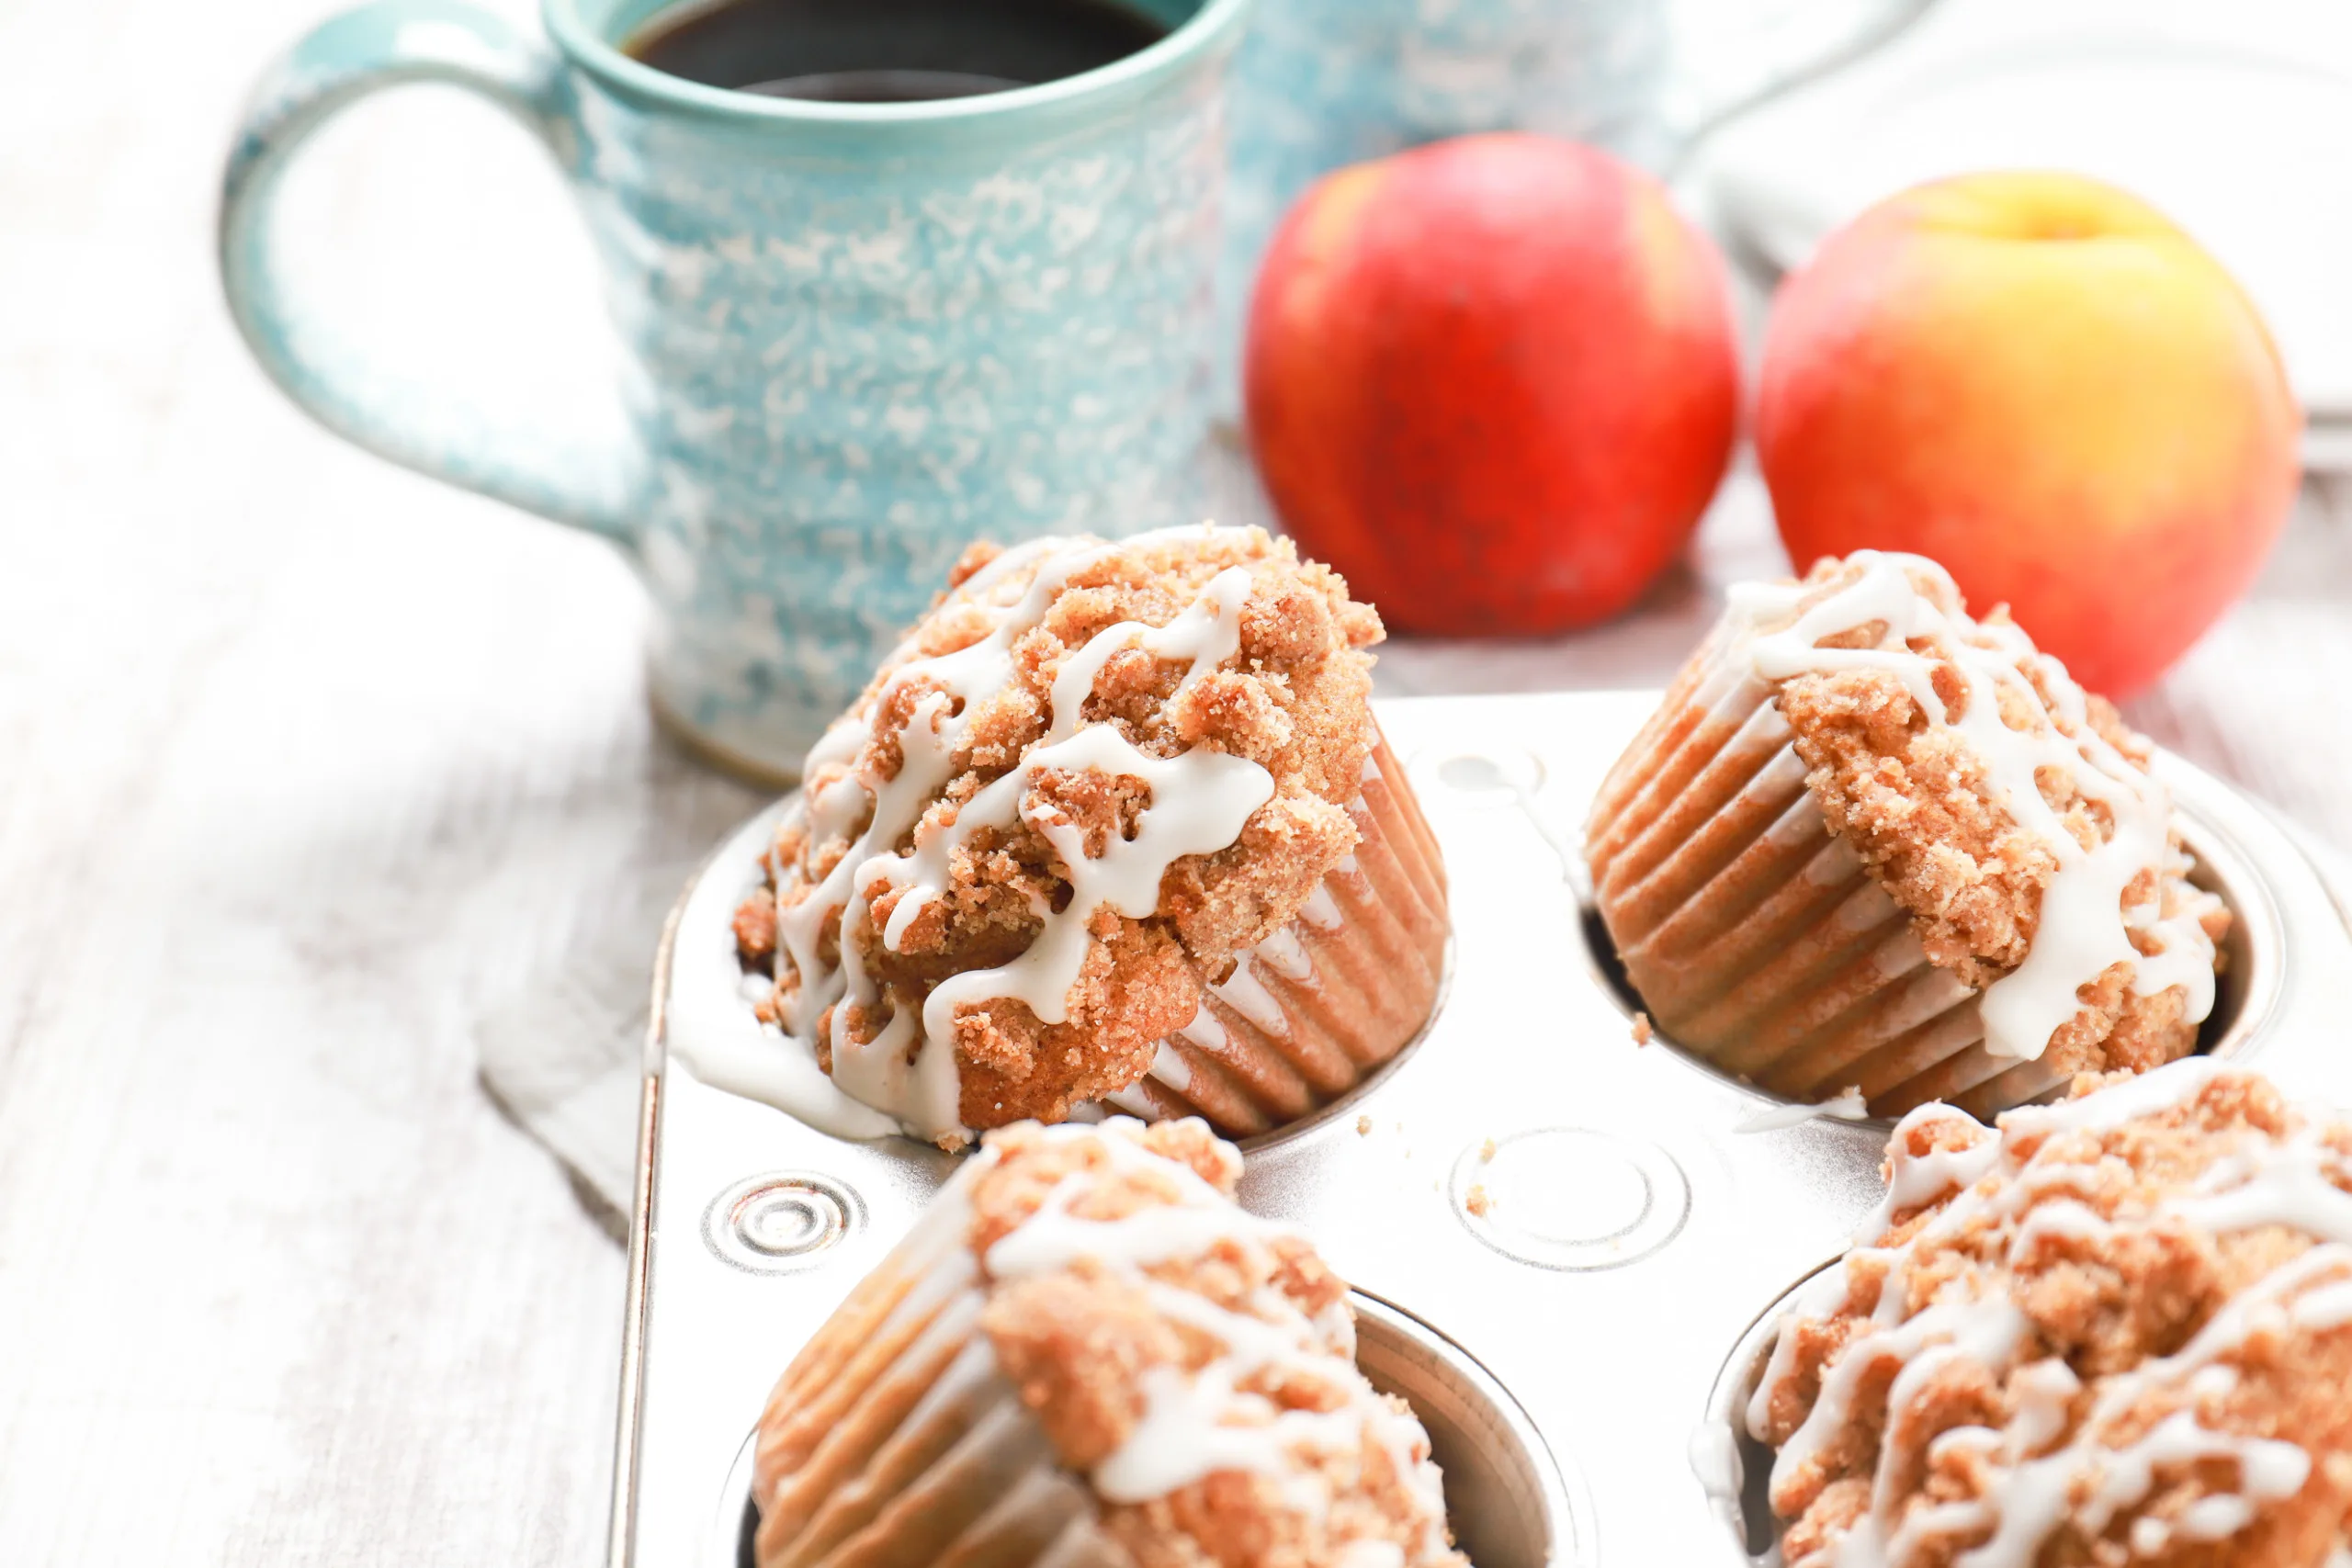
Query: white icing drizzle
[[2083, 927], [709, 1025], [2033, 1486], [2322, 1309], [1200, 801], [1914, 1180], [1205, 1031], [1714, 1460], [1171, 1068], [1286, 955], [1321, 910], [1199, 1422], [1247, 994], [1847, 1105]]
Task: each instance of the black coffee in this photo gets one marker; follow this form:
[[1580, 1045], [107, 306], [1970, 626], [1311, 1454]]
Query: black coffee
[[883, 52]]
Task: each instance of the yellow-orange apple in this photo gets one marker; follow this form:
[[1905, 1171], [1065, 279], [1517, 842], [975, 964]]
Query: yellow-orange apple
[[2040, 382], [1494, 381]]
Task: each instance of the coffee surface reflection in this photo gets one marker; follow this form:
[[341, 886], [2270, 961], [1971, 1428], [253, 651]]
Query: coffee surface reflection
[[886, 51]]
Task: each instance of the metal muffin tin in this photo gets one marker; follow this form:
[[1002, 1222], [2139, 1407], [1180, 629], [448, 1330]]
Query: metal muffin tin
[[1567, 1252]]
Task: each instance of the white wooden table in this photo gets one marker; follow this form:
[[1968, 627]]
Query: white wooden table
[[311, 772]]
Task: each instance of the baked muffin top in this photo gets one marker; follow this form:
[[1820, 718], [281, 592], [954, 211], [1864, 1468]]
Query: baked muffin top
[[2118, 1329], [1196, 1363], [1093, 777], [2007, 811]]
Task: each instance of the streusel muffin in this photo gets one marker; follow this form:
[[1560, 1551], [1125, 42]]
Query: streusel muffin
[[1115, 823], [2118, 1330], [1086, 1353], [1871, 841]]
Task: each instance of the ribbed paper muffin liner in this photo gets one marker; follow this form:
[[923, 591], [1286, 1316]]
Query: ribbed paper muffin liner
[[1323, 1004], [1759, 940], [894, 1441]]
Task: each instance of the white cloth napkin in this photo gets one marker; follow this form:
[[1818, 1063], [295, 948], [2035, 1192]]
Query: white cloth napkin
[[562, 1044]]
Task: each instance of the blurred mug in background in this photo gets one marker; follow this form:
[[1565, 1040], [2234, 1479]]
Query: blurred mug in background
[[890, 276]]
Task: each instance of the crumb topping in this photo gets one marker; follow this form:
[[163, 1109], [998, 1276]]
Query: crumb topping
[[1197, 1364], [2118, 1329], [1087, 781], [2008, 811]]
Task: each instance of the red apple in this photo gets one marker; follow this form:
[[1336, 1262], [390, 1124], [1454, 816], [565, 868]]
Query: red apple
[[2040, 382], [1493, 381]]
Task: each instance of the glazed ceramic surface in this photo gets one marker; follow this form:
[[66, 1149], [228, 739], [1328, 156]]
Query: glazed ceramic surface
[[861, 336]]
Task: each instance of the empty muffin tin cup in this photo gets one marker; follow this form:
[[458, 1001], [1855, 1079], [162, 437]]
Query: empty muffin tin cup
[[1504, 1492]]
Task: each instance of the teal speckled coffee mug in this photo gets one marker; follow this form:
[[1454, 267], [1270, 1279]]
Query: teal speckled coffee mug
[[860, 335]]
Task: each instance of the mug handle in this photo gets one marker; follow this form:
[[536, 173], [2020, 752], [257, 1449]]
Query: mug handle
[[388, 44]]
